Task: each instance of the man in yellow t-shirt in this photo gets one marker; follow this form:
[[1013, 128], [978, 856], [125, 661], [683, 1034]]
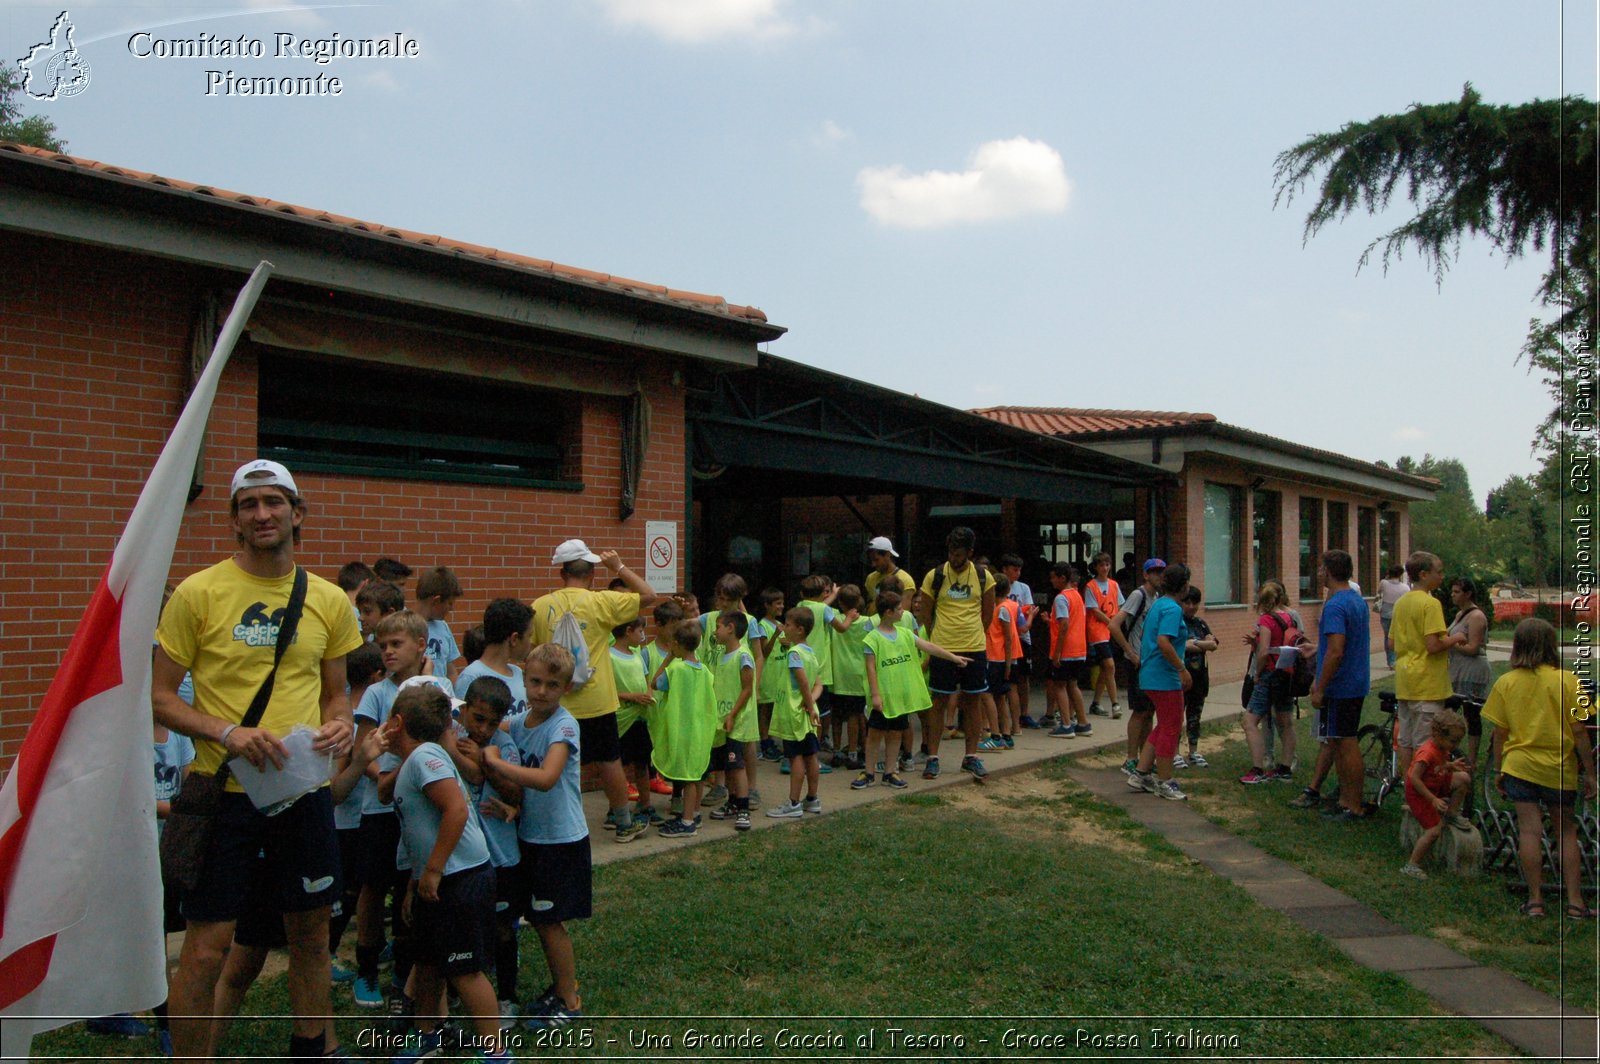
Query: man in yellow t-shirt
[[886, 572], [960, 597], [595, 703], [222, 627], [1422, 653]]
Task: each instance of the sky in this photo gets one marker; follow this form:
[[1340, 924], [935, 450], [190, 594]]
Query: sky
[[1049, 204]]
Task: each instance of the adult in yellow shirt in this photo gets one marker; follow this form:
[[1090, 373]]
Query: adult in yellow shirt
[[595, 704], [962, 608], [1540, 740], [1422, 653], [886, 572], [222, 626]]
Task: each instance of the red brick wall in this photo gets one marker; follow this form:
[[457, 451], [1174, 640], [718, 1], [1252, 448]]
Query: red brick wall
[[93, 346]]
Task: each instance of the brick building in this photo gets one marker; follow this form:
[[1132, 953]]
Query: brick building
[[1243, 507]]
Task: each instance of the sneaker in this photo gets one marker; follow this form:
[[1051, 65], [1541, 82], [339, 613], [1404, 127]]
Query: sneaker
[[386, 958], [991, 743], [400, 1010], [1135, 781], [723, 812], [1178, 761], [741, 820], [648, 817], [631, 830], [1170, 790], [1116, 711], [678, 829], [824, 768], [122, 1025], [164, 1042], [1130, 767], [633, 793], [770, 751], [1028, 722], [838, 760], [1084, 729], [367, 993], [951, 733], [930, 771], [660, 786], [974, 766], [508, 1015], [1011, 744], [420, 1046], [1281, 774], [856, 763], [880, 768], [825, 742], [812, 805], [1414, 871], [907, 762], [543, 1003], [1198, 760], [891, 780], [1063, 731], [717, 795], [341, 974], [1457, 821], [1309, 798], [557, 1014], [755, 798], [1096, 711], [1255, 775], [783, 767], [787, 811], [863, 781]]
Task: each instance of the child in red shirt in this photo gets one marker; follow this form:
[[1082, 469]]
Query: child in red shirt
[[1435, 771]]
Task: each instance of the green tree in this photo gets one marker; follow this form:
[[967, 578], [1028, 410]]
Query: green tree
[[1451, 525], [33, 130], [1520, 176]]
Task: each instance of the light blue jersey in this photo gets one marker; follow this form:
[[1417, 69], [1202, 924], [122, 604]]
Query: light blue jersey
[[501, 835], [419, 817], [442, 648], [555, 815], [374, 708], [519, 692]]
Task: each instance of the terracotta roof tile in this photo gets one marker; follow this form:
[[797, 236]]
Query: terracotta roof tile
[[695, 300], [1068, 421]]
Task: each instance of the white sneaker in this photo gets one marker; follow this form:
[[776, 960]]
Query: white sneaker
[[787, 811], [1116, 711], [813, 805], [1414, 871], [1135, 781], [509, 1014], [1169, 789], [1179, 762]]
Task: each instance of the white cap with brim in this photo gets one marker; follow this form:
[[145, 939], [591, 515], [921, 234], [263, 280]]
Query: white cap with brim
[[438, 681], [262, 473], [882, 543], [574, 550]]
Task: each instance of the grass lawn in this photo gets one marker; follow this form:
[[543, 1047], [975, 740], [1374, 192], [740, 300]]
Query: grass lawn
[[1024, 906], [1476, 917]]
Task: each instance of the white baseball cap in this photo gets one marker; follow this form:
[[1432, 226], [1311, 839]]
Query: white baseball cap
[[882, 543], [262, 473], [574, 550], [438, 681]]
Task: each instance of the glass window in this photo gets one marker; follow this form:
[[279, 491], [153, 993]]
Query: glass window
[[1338, 526], [1310, 547], [1266, 541], [1224, 506], [1367, 549], [1388, 541]]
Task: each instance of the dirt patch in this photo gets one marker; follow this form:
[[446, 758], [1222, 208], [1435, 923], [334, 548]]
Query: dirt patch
[[1023, 804], [1454, 937]]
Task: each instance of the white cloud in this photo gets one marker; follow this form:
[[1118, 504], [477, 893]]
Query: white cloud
[[1003, 179], [696, 21], [830, 133], [1408, 433]]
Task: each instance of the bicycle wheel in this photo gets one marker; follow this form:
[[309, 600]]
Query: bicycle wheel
[[1374, 741]]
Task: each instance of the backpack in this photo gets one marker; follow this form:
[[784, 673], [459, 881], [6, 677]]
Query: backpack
[[1300, 669], [938, 582], [569, 633]]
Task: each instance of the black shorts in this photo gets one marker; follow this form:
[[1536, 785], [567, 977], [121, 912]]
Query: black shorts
[[999, 683], [1066, 671], [260, 923], [879, 722], [793, 748], [1101, 651], [560, 873], [300, 871], [456, 933], [352, 859], [633, 746], [946, 677], [728, 756], [1022, 668], [380, 843], [847, 706], [824, 701], [597, 739], [510, 893], [1138, 701], [1339, 718]]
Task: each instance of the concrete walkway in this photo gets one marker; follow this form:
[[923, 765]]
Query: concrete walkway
[[1536, 1023]]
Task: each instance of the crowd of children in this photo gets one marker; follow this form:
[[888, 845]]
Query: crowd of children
[[459, 812]]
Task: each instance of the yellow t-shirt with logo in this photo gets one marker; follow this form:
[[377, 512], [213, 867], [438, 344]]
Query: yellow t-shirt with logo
[[958, 613], [1418, 675], [222, 625], [597, 613], [1537, 708], [901, 581]]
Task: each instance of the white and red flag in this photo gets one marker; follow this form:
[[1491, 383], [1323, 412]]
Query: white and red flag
[[80, 884]]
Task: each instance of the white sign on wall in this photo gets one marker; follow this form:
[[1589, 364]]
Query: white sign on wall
[[661, 556]]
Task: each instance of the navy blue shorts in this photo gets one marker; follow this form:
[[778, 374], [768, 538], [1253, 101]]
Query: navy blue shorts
[[380, 843], [1520, 790], [1101, 651], [847, 706], [455, 934], [793, 748], [1066, 671], [999, 683], [292, 859], [559, 873], [946, 677]]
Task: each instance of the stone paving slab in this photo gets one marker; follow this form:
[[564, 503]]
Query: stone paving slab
[[1401, 953], [1342, 921]]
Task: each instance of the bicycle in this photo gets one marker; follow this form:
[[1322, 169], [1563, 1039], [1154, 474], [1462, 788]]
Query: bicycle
[[1379, 749]]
